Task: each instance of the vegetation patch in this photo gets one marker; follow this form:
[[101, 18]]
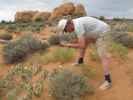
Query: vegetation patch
[[5, 36], [17, 50], [94, 54], [63, 54], [23, 82], [56, 39], [65, 85], [117, 49], [87, 70]]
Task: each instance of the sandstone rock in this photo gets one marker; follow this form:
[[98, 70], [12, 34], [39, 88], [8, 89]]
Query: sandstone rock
[[25, 16], [67, 9], [63, 10], [80, 10], [41, 16]]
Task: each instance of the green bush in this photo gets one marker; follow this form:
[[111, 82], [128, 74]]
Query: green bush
[[63, 54], [14, 53], [65, 85], [87, 70], [68, 37], [17, 83], [17, 50], [123, 37], [58, 54], [130, 28], [102, 18], [94, 54], [38, 88], [119, 50], [11, 27], [6, 36], [39, 19], [54, 40]]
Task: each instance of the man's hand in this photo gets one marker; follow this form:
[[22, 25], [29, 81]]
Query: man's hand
[[63, 44], [80, 44]]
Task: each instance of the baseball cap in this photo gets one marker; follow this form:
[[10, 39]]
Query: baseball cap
[[62, 23]]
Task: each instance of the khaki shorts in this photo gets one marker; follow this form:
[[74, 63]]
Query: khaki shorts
[[103, 43]]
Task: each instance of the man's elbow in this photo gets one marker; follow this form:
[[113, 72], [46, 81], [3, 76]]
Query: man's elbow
[[82, 46]]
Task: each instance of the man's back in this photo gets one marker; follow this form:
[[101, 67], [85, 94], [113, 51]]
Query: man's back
[[90, 25]]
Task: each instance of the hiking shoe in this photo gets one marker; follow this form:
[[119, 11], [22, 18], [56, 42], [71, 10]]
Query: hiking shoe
[[76, 64], [105, 85]]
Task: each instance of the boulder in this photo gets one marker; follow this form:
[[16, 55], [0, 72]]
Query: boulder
[[62, 10], [25, 16], [41, 16], [79, 10]]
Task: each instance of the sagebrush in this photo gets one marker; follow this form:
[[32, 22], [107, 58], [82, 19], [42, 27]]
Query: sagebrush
[[17, 50], [6, 36], [65, 85], [19, 83], [119, 50]]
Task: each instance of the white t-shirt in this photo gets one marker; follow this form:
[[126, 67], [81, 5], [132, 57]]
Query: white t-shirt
[[90, 26]]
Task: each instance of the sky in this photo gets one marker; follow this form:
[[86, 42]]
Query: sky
[[108, 8]]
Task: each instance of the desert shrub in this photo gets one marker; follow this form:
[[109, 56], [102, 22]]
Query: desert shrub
[[59, 54], [47, 58], [30, 42], [120, 27], [68, 37], [13, 53], [17, 83], [87, 70], [23, 26], [123, 37], [6, 36], [117, 19], [130, 28], [102, 18], [11, 27], [54, 40], [36, 58], [17, 50], [119, 50], [63, 54], [38, 88], [43, 58], [94, 54], [65, 85], [36, 26], [39, 19]]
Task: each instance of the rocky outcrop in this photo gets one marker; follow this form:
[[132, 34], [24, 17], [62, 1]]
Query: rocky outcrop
[[41, 16], [80, 10], [68, 9], [63, 10], [25, 16], [59, 12]]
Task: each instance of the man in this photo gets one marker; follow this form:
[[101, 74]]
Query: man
[[88, 30]]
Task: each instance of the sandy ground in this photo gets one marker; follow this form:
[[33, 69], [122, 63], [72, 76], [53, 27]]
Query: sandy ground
[[122, 89], [122, 76], [121, 71]]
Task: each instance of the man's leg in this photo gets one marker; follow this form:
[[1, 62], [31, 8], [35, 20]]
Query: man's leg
[[81, 56], [106, 62], [105, 59]]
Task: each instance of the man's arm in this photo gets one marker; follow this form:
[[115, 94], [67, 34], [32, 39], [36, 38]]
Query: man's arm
[[81, 44]]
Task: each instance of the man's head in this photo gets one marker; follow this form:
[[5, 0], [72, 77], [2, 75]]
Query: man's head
[[66, 25]]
